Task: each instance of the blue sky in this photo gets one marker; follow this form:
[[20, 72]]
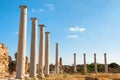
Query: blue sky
[[79, 26]]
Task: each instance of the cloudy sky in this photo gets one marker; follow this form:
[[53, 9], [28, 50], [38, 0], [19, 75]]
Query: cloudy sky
[[79, 26]]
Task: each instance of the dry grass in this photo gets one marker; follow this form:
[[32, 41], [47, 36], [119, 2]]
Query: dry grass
[[77, 76], [66, 77], [100, 76]]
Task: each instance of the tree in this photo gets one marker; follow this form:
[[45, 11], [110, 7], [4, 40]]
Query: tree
[[91, 67], [113, 65]]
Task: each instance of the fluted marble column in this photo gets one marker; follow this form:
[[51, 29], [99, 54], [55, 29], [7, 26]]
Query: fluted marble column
[[47, 52], [106, 66], [41, 53], [95, 64], [85, 66], [75, 70], [33, 48], [57, 62], [20, 67]]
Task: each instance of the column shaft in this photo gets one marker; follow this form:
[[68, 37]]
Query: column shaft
[[95, 64], [57, 63], [85, 66], [47, 53], [61, 71], [106, 66], [20, 67], [60, 61], [41, 53], [75, 70], [33, 47]]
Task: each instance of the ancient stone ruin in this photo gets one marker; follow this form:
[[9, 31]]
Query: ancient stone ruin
[[4, 58], [41, 70]]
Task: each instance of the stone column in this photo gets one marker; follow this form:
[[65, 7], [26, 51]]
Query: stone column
[[85, 66], [47, 53], [33, 48], [60, 61], [106, 66], [75, 70], [41, 53], [95, 64], [20, 67], [57, 63], [61, 71]]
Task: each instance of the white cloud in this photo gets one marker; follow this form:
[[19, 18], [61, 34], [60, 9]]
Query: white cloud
[[37, 10], [77, 28], [16, 33], [72, 36], [40, 10], [51, 6]]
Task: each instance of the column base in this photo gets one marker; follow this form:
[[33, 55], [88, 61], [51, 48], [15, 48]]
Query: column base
[[46, 75], [32, 75], [33, 78], [19, 77], [96, 72], [61, 72], [41, 76], [75, 71]]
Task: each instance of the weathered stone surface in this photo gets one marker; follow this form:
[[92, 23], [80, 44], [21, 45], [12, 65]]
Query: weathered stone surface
[[12, 64], [26, 65], [4, 58]]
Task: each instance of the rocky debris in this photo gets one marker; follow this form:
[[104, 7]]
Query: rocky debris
[[12, 64], [26, 65], [68, 69], [4, 58]]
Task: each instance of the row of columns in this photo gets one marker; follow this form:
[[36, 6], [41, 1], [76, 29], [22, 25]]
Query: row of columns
[[95, 63], [20, 68]]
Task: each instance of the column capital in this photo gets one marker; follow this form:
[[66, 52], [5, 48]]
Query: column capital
[[42, 25], [105, 53], [47, 32], [74, 53], [33, 18], [23, 6]]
